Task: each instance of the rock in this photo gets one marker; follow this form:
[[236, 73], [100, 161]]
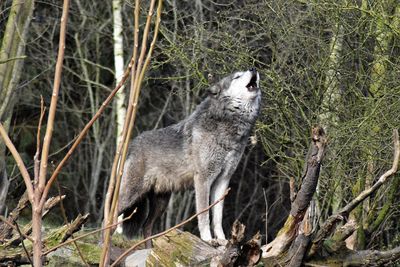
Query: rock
[[138, 258]]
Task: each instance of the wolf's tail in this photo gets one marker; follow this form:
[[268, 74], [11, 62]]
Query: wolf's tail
[[133, 228]]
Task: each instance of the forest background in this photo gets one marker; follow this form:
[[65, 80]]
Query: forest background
[[333, 63]]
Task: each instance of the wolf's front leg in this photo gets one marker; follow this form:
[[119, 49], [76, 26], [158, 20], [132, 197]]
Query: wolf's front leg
[[218, 189], [202, 192]]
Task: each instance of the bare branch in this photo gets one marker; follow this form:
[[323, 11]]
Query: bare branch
[[23, 245], [15, 227], [36, 157], [330, 223], [54, 99], [83, 133], [18, 160], [87, 234], [136, 81]]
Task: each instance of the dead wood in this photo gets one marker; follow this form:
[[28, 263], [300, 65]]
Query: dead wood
[[16, 239], [295, 245], [250, 253], [237, 252], [302, 198], [8, 225], [17, 255], [75, 226], [177, 248], [359, 258], [232, 248]]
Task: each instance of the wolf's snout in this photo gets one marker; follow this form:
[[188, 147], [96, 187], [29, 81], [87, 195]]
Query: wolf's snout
[[253, 70], [252, 85]]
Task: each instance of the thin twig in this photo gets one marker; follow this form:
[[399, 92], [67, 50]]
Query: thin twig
[[18, 160], [123, 255], [37, 154], [87, 234], [84, 131], [330, 223], [66, 223], [15, 227], [53, 103], [136, 81], [23, 245], [135, 89], [110, 190], [266, 215]]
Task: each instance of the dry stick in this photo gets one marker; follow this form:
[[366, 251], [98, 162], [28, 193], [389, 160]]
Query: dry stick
[[37, 208], [23, 245], [87, 234], [36, 157], [83, 133], [54, 98], [108, 215], [130, 118], [114, 168], [15, 227], [66, 223], [123, 255], [331, 221], [266, 215], [18, 160], [136, 90]]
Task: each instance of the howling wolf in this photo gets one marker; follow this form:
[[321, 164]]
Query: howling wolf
[[202, 150]]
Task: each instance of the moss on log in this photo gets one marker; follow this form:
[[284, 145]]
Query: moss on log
[[180, 248]]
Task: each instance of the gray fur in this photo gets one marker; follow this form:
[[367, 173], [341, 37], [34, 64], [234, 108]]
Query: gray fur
[[202, 151]]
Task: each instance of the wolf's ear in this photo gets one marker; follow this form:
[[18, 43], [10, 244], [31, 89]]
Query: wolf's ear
[[210, 78], [215, 89]]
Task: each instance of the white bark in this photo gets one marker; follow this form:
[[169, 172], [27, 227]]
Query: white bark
[[331, 99], [120, 109]]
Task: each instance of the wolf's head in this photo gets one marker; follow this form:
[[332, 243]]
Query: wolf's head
[[241, 89]]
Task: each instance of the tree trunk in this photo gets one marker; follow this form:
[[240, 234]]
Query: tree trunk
[[120, 110], [119, 66], [11, 63]]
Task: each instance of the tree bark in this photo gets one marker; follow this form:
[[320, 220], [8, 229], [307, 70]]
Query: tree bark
[[120, 109], [302, 200], [11, 62]]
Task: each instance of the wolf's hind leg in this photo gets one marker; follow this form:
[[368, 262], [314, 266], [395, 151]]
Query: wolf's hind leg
[[158, 203], [132, 228]]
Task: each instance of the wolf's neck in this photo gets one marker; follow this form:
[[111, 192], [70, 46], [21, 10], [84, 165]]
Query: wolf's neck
[[226, 110]]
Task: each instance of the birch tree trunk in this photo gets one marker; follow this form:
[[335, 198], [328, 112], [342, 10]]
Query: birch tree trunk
[[120, 109], [11, 62], [331, 102], [332, 97]]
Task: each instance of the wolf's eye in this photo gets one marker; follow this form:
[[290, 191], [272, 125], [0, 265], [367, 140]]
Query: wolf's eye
[[237, 76]]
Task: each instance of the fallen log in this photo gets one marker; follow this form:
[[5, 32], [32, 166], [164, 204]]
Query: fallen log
[[17, 255], [177, 248]]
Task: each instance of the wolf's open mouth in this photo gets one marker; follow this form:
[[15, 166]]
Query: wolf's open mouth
[[252, 85]]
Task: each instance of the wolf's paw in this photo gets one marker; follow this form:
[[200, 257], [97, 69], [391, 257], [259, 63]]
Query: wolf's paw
[[217, 242]]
